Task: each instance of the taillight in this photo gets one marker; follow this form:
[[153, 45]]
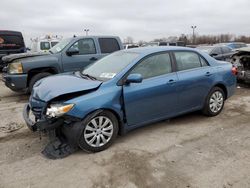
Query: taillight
[[234, 71]]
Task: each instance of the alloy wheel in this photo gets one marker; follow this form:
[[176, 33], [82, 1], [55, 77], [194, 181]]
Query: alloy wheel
[[216, 101], [98, 131]]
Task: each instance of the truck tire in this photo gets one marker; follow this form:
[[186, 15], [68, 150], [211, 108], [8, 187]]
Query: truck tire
[[35, 78]]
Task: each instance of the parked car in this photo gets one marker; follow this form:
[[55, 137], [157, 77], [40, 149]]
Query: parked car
[[11, 42], [126, 90], [128, 46], [219, 52], [236, 45], [71, 54], [44, 43], [178, 43], [241, 61]]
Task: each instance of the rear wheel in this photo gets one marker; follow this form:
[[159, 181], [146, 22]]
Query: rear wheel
[[214, 102], [99, 132], [35, 78]]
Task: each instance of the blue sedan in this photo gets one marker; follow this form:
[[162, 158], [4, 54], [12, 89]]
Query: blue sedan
[[123, 91]]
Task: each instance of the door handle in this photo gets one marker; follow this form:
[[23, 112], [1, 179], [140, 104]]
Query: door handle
[[93, 59], [171, 81], [208, 74]]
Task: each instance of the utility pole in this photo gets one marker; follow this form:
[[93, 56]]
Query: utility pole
[[193, 27], [86, 30]]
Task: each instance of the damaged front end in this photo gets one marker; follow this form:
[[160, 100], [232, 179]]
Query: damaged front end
[[47, 112], [241, 60], [60, 144]]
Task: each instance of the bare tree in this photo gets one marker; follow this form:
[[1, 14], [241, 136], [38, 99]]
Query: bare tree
[[128, 40]]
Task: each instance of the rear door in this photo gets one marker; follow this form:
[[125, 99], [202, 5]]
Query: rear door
[[155, 97], [195, 77], [87, 55]]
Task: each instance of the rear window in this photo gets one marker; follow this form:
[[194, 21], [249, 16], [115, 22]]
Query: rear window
[[108, 45], [11, 42]]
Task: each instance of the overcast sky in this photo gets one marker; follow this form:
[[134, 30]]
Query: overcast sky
[[141, 19]]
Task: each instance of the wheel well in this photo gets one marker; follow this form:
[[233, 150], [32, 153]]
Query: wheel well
[[223, 87], [34, 72]]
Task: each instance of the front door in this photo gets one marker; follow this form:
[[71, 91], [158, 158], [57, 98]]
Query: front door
[[155, 97], [87, 55]]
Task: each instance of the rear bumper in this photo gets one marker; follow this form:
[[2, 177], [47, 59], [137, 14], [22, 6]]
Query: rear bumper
[[42, 125], [15, 82]]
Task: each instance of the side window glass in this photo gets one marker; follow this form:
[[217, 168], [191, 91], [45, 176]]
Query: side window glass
[[152, 66], [85, 46], [203, 62], [217, 51], [108, 45], [187, 60], [226, 50]]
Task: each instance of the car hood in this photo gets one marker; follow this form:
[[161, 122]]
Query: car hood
[[60, 85], [12, 57]]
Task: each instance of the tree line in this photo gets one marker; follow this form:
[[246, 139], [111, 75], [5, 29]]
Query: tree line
[[199, 39], [213, 39]]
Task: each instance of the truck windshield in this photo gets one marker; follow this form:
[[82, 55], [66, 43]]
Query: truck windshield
[[107, 67], [60, 46]]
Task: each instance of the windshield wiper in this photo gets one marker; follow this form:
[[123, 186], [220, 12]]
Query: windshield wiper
[[50, 52], [88, 76]]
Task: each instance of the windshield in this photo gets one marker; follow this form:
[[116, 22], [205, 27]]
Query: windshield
[[206, 49], [60, 46], [107, 67]]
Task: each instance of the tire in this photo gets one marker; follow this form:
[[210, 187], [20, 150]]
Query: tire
[[214, 102], [88, 140], [35, 78]]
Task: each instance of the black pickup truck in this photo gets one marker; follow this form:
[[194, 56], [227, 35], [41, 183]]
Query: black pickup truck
[[11, 42], [71, 54]]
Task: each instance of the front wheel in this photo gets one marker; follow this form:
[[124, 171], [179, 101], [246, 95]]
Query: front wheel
[[99, 132], [214, 102]]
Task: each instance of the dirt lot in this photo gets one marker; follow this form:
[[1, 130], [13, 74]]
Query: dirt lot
[[188, 151]]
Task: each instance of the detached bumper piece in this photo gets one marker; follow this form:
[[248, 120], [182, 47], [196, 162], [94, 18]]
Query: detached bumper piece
[[59, 145]]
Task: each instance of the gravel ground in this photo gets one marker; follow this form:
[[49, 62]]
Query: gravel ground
[[188, 151]]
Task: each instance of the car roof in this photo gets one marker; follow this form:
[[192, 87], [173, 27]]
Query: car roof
[[95, 36], [155, 49]]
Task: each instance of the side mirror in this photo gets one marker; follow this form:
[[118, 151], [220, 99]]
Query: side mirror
[[134, 78], [72, 51]]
